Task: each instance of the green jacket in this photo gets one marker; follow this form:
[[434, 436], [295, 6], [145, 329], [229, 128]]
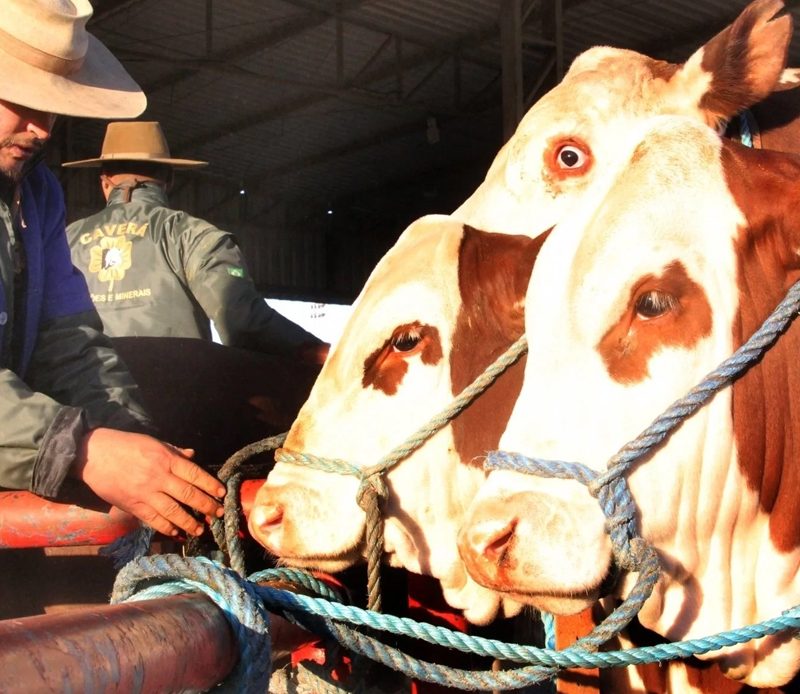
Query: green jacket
[[158, 272], [59, 375]]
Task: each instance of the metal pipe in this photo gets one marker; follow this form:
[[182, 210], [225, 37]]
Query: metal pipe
[[28, 521], [170, 644]]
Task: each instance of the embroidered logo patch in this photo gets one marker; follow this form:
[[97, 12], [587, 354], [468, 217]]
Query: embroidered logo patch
[[236, 271], [110, 259]]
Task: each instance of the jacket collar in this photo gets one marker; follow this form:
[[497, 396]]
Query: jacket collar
[[141, 192]]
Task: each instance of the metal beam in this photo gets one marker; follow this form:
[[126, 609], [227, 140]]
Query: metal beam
[[673, 42], [380, 28], [353, 86], [30, 521], [289, 29], [511, 48], [180, 643], [110, 8]]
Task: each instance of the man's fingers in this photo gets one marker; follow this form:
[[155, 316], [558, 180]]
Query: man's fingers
[[151, 517], [174, 513], [192, 497], [197, 477]]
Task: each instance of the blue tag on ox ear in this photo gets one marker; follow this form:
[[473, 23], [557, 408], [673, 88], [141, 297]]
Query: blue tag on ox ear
[[236, 271]]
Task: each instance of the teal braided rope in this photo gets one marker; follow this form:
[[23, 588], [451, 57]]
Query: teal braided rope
[[231, 523], [543, 662], [236, 597], [372, 488]]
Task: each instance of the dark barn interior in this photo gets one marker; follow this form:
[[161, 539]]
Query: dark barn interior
[[329, 125]]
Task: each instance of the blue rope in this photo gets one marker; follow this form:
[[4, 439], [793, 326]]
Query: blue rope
[[235, 597], [745, 134], [630, 550], [542, 663], [131, 546]]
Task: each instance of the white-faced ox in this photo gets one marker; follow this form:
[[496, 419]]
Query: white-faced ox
[[437, 309], [562, 157], [570, 138], [695, 244]]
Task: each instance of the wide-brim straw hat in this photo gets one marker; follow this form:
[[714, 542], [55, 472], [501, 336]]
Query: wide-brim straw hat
[[136, 141], [50, 63]]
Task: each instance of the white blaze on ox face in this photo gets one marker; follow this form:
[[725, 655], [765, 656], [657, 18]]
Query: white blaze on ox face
[[694, 245], [393, 370]]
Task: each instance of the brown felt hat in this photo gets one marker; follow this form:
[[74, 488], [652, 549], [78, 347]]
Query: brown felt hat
[[50, 63], [135, 141]]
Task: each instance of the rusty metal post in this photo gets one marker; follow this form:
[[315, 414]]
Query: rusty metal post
[[28, 521], [170, 644]]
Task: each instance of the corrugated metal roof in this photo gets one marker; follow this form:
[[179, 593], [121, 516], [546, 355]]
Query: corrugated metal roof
[[261, 89]]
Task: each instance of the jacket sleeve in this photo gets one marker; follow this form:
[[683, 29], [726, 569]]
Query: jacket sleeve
[[74, 381], [217, 275], [87, 386], [40, 437]]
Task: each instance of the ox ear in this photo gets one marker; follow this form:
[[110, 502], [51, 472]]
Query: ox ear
[[742, 64], [493, 275]]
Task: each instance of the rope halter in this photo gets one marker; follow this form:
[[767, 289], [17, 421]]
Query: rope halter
[[372, 490], [630, 550]]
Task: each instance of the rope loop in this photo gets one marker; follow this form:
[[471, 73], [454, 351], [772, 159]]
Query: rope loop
[[372, 491], [343, 623], [237, 597]]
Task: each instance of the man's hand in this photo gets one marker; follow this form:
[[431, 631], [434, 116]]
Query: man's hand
[[149, 479]]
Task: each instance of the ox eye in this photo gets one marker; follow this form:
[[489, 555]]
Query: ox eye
[[405, 341], [655, 303], [571, 157]]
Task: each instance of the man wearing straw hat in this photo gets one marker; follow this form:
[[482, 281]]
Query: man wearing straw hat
[[159, 272], [68, 406]]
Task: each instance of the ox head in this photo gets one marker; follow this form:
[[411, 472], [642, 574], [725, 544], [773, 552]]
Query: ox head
[[628, 308], [436, 311], [571, 136]]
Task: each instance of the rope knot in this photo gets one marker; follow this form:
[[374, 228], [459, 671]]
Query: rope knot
[[372, 490]]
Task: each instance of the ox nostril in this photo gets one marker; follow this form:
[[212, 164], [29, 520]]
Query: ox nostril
[[265, 515], [495, 544]]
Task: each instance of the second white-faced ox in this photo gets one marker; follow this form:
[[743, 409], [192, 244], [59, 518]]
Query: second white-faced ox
[[695, 244], [436, 311]]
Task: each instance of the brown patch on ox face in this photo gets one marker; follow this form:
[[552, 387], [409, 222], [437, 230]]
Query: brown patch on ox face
[[628, 345], [766, 414], [493, 274], [385, 368]]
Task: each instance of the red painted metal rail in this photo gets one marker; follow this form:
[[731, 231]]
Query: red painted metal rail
[[27, 521], [170, 644]]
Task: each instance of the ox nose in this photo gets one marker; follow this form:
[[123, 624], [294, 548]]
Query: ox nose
[[263, 516], [484, 546]]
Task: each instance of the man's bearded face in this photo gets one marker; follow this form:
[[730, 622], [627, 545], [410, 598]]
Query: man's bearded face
[[14, 154], [23, 133]]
